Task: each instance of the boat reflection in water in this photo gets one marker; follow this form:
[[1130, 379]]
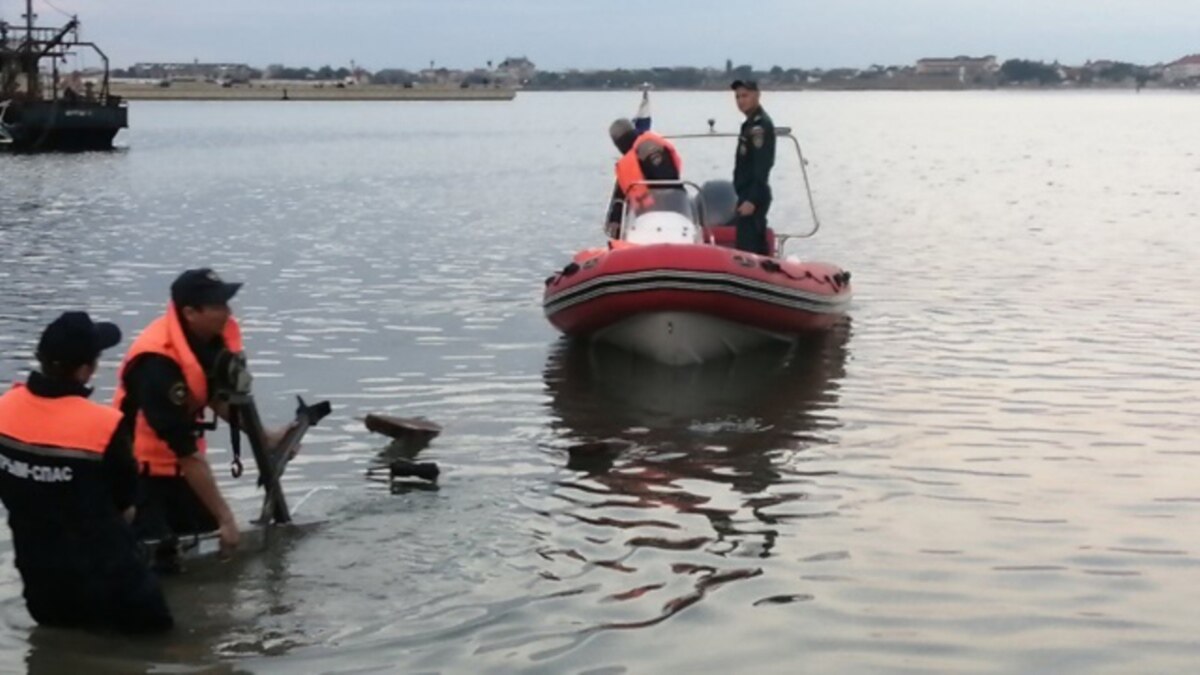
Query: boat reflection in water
[[767, 399], [703, 465]]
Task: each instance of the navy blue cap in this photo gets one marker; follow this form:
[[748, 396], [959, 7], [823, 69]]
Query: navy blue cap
[[201, 288], [74, 340]]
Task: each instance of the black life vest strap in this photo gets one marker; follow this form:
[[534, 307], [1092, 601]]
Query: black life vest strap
[[235, 444]]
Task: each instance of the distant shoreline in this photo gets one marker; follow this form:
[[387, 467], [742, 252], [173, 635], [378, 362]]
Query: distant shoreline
[[199, 91], [847, 87]]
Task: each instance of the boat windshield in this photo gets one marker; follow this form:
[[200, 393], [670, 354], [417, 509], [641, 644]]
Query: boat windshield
[[672, 199]]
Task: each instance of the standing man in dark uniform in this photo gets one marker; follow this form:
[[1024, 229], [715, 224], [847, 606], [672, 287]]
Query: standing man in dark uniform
[[752, 170], [67, 479]]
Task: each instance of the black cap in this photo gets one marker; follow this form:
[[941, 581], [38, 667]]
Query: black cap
[[73, 340], [201, 288], [744, 84]]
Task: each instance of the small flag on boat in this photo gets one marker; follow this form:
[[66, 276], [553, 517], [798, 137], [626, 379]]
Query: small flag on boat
[[641, 121]]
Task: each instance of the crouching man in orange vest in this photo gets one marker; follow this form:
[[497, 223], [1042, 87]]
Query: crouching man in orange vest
[[164, 387], [644, 156], [67, 479]]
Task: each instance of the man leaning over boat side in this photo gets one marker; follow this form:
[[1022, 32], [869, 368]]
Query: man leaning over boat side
[[644, 156], [752, 168], [68, 481], [165, 385]]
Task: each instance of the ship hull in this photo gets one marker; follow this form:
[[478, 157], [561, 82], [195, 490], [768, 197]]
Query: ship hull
[[49, 126]]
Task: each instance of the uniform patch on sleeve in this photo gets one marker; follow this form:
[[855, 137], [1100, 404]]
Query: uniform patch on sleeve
[[758, 136], [177, 393]]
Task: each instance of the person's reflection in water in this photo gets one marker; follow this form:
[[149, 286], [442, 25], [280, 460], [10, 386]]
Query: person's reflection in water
[[734, 423], [241, 609]]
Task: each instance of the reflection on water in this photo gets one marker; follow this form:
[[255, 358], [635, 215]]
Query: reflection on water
[[598, 392], [661, 449], [221, 618], [997, 472]]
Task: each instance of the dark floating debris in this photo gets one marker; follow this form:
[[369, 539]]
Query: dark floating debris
[[400, 473], [596, 456], [402, 428], [665, 544], [395, 464], [423, 470], [611, 446], [783, 599]]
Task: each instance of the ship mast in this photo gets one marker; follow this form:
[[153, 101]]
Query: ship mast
[[28, 59], [22, 55]]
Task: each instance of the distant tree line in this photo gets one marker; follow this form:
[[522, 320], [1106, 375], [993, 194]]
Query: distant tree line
[[273, 72], [394, 76], [1011, 72], [667, 78], [322, 73], [1020, 71]]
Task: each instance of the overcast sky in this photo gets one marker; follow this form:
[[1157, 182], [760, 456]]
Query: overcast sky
[[558, 34]]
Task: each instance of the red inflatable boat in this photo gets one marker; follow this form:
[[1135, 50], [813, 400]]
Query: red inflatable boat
[[671, 286], [686, 303]]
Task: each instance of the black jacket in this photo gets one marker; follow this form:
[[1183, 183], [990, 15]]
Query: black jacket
[[755, 157], [78, 558]]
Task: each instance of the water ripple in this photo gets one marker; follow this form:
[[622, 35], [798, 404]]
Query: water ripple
[[991, 468]]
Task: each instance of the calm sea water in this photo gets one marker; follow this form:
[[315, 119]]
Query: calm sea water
[[991, 468]]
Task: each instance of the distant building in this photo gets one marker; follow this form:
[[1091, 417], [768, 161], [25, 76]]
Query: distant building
[[358, 75], [479, 77], [841, 74], [516, 70], [1098, 66], [1184, 69], [441, 76], [1070, 73], [193, 71], [962, 68]]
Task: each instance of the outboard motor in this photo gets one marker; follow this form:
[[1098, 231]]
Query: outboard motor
[[717, 203]]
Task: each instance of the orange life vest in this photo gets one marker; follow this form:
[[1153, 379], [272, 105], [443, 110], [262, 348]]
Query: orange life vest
[[70, 427], [165, 336], [629, 170]]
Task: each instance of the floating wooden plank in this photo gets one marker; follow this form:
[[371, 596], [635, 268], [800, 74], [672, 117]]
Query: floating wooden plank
[[402, 427]]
